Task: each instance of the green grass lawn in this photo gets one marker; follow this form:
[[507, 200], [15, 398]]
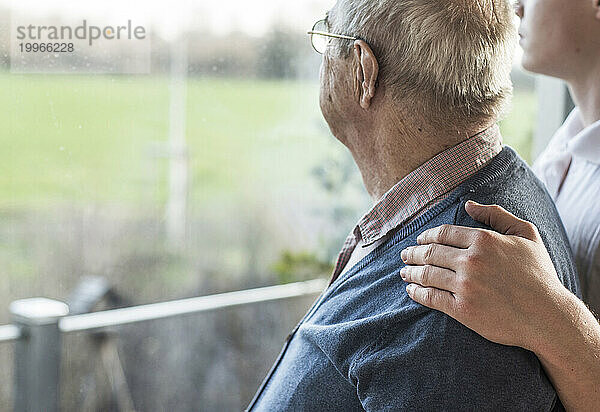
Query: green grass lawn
[[89, 139]]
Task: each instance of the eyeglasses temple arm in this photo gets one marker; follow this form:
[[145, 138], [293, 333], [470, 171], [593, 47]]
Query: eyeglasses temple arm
[[337, 36]]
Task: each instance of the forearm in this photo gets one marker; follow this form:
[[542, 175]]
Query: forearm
[[569, 349]]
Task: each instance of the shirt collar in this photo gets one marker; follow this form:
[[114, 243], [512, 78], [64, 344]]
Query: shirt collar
[[431, 180], [582, 141]]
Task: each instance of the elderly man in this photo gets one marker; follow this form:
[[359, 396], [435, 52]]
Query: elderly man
[[414, 88]]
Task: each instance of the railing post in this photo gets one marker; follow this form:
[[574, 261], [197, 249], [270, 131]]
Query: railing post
[[37, 354]]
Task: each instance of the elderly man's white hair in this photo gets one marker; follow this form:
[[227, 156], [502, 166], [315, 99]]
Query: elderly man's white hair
[[452, 58]]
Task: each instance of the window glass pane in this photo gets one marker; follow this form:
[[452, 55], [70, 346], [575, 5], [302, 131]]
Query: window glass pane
[[518, 125], [191, 161]]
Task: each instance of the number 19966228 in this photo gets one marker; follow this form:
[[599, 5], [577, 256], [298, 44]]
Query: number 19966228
[[46, 47]]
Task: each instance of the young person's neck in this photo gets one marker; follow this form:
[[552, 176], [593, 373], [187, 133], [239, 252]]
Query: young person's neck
[[585, 91], [389, 150]]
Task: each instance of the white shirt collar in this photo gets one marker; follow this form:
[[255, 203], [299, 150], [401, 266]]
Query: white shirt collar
[[581, 142]]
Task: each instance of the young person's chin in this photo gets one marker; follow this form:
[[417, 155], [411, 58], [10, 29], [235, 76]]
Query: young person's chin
[[536, 66]]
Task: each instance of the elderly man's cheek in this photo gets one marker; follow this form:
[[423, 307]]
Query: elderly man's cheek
[[327, 86]]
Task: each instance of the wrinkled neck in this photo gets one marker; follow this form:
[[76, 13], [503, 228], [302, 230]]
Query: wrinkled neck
[[389, 150]]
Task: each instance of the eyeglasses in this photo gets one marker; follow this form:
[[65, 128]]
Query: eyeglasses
[[320, 36]]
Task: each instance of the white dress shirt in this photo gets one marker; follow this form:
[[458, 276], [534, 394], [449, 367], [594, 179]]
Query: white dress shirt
[[570, 169]]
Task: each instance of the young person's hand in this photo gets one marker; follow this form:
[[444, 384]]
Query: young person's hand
[[504, 286], [498, 285]]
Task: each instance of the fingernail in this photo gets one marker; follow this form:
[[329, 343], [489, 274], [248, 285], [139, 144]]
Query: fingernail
[[404, 255], [410, 288], [403, 272]]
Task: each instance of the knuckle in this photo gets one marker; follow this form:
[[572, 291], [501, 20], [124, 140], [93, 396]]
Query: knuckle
[[483, 238], [426, 274], [463, 260], [427, 296], [429, 253], [470, 258], [409, 274], [473, 257], [442, 233]]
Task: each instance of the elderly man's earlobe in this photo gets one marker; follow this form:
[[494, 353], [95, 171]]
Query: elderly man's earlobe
[[367, 72]]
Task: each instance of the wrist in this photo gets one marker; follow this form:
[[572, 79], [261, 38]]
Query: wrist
[[557, 319]]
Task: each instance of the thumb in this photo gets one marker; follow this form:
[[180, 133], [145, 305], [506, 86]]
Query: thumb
[[501, 220]]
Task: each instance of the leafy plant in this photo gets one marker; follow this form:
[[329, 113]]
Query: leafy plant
[[297, 267]]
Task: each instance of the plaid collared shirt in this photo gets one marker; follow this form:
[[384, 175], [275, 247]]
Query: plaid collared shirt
[[421, 190]]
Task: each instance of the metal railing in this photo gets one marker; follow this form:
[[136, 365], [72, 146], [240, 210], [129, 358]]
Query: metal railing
[[9, 333], [39, 323]]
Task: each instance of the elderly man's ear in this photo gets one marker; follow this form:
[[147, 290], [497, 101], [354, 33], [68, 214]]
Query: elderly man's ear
[[367, 71]]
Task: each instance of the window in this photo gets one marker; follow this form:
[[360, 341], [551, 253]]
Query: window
[[193, 162]]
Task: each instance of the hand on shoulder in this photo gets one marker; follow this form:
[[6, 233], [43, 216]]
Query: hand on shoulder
[[502, 285]]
